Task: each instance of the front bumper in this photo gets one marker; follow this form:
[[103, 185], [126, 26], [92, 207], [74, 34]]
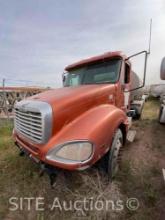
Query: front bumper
[[36, 154], [24, 151]]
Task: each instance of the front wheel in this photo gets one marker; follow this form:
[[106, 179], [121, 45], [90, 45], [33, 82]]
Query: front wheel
[[114, 154]]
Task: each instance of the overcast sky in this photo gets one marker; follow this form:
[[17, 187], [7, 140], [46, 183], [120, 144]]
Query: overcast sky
[[38, 38]]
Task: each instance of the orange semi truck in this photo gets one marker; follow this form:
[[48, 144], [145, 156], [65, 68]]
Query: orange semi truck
[[84, 122]]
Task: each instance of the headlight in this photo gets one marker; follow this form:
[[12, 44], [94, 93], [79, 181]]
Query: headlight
[[72, 152]]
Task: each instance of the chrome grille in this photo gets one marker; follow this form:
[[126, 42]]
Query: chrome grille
[[33, 120], [29, 123]]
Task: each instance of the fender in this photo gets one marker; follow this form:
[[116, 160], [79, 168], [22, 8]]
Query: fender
[[96, 125]]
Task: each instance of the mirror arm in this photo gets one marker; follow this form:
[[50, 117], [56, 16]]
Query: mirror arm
[[136, 54]]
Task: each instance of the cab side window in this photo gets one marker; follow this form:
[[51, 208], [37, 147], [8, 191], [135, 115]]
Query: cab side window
[[127, 74]]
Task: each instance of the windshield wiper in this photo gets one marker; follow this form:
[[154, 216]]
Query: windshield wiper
[[87, 83], [97, 83], [103, 82]]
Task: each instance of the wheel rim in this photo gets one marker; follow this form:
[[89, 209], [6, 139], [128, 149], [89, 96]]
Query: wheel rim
[[115, 157]]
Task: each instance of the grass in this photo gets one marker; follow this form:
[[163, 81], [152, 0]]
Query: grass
[[139, 184], [146, 186], [151, 110], [140, 177], [6, 128]]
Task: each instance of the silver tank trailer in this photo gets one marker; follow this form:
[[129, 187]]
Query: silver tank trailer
[[136, 96], [135, 83]]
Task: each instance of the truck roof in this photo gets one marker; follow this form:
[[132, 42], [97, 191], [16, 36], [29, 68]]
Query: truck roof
[[95, 59]]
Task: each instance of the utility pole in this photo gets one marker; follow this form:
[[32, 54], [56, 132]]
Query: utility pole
[[5, 107], [150, 35], [3, 83], [3, 87]]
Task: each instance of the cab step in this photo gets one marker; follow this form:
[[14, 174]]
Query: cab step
[[131, 135]]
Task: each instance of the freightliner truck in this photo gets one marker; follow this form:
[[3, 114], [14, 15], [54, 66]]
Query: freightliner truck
[[73, 127]]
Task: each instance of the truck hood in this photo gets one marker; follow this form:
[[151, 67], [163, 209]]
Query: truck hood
[[69, 102], [69, 94]]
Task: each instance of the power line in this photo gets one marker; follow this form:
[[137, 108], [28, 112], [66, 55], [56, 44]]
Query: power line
[[18, 81]]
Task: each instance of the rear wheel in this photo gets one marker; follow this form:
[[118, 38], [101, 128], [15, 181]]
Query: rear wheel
[[161, 117], [137, 115], [115, 154]]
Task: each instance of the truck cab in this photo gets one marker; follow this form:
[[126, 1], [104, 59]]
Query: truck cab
[[85, 121], [108, 69]]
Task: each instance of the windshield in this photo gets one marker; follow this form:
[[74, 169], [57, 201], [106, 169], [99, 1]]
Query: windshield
[[104, 72]]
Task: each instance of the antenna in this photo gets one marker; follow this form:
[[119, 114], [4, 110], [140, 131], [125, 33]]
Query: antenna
[[150, 34], [147, 53]]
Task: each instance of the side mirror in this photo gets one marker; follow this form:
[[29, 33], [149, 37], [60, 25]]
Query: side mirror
[[135, 77], [162, 69]]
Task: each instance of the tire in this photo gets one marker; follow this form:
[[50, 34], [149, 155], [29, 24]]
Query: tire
[[114, 154], [161, 119], [160, 114], [137, 116]]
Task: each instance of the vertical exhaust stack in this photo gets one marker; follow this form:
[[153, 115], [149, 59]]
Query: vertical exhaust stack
[[146, 54], [149, 46]]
